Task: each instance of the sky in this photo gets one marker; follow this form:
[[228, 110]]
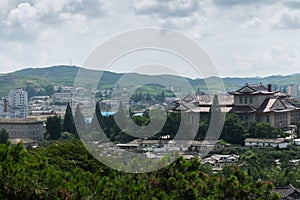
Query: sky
[[244, 38]]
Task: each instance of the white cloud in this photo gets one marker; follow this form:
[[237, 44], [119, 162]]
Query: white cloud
[[44, 32], [21, 15], [286, 19], [251, 23], [176, 8], [280, 59]]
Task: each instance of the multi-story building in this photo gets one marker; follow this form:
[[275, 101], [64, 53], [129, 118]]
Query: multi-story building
[[292, 90], [23, 128], [257, 103], [17, 103], [252, 103]]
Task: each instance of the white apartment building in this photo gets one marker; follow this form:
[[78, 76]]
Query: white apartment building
[[17, 103]]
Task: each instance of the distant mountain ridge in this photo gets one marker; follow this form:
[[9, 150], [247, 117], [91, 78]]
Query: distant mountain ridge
[[65, 75]]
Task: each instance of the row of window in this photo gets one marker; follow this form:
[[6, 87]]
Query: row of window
[[246, 100]]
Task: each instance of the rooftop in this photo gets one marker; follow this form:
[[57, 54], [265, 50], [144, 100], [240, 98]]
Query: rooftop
[[19, 121]]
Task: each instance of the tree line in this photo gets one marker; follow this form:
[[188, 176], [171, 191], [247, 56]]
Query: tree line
[[65, 170], [233, 131]]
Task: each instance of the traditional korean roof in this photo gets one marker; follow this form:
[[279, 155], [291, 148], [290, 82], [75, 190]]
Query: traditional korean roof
[[253, 90], [275, 105], [242, 109], [206, 109], [288, 192]]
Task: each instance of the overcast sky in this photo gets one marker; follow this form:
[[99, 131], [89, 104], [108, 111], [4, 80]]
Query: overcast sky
[[243, 37]]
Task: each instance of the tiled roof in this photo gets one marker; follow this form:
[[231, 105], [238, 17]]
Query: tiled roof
[[253, 89], [19, 121], [242, 109], [288, 192], [267, 106]]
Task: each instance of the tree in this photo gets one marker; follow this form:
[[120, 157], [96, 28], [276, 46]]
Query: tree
[[297, 130], [80, 121], [263, 130], [53, 127], [98, 118], [49, 89], [68, 123], [148, 97], [216, 119], [233, 131], [3, 136], [162, 96]]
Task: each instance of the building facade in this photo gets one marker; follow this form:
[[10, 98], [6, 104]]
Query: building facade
[[23, 128], [252, 103], [257, 103], [17, 104]]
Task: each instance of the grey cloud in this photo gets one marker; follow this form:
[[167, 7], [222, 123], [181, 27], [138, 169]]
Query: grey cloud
[[13, 34], [293, 4], [288, 21], [242, 2], [90, 8], [167, 8]]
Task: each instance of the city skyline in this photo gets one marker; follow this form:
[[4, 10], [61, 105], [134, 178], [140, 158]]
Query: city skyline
[[243, 38]]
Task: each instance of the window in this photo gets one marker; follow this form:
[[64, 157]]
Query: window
[[241, 100], [245, 100], [250, 100], [268, 119]]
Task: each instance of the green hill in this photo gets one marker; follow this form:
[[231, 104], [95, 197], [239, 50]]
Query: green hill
[[38, 78]]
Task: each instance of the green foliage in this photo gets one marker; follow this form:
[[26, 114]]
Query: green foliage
[[233, 130], [272, 165], [79, 120], [53, 128], [297, 130], [263, 130], [3, 136], [65, 170], [68, 123]]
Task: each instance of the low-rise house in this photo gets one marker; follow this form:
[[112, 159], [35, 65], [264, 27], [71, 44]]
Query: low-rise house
[[280, 143], [217, 161], [297, 142], [288, 192]]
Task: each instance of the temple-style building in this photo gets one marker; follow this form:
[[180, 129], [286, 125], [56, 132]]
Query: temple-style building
[[257, 103], [252, 103]]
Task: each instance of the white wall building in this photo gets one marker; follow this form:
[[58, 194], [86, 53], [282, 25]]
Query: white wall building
[[23, 128], [280, 143], [18, 103], [292, 90]]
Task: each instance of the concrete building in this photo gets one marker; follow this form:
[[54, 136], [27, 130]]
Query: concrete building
[[257, 103], [17, 103], [280, 143], [292, 90], [23, 128], [252, 103]]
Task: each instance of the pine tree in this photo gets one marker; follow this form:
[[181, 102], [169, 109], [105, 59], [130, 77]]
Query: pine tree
[[217, 118], [68, 124], [53, 127], [148, 97], [3, 136], [80, 121]]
